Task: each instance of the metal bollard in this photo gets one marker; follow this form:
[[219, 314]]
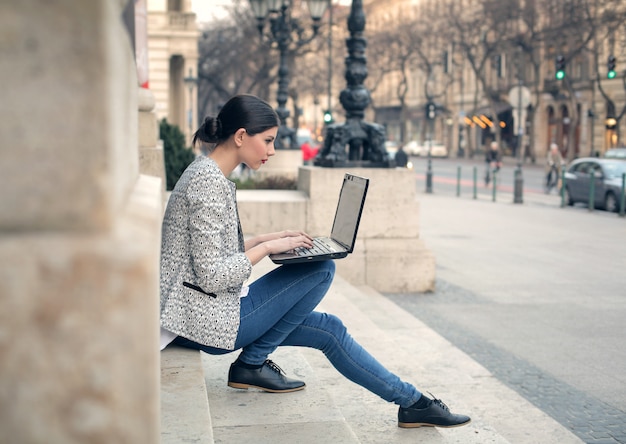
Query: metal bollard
[[495, 185], [518, 186], [592, 190], [458, 181], [475, 181], [562, 187], [622, 200], [429, 176]]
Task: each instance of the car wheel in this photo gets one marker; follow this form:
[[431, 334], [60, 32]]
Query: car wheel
[[568, 197], [610, 202]]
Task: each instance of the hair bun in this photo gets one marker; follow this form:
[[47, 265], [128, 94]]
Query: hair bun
[[211, 130], [218, 127]]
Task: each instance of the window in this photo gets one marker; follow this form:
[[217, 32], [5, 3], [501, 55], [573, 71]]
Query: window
[[174, 5]]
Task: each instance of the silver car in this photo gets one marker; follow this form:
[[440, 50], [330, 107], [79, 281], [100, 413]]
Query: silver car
[[607, 175], [615, 153]]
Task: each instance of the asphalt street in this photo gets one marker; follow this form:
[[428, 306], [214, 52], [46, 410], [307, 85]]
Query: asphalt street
[[534, 292]]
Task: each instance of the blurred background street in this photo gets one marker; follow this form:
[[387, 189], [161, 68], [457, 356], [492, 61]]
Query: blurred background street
[[533, 292]]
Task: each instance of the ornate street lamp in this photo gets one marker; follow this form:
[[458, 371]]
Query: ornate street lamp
[[365, 140], [283, 28]]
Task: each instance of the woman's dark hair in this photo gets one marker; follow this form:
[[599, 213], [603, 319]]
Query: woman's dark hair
[[242, 111]]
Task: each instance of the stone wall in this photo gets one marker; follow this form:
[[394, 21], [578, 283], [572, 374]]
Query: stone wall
[[79, 231]]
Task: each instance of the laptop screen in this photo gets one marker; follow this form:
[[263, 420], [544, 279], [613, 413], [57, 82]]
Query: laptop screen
[[349, 208]]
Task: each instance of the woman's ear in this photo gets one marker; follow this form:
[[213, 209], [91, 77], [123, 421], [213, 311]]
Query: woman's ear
[[238, 136]]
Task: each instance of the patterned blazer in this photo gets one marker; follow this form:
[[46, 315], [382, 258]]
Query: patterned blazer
[[203, 264]]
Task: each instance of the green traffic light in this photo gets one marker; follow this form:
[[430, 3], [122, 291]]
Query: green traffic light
[[560, 75], [610, 74]]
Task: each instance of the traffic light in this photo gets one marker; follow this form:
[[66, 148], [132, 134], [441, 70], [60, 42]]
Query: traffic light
[[431, 111], [610, 74], [559, 64], [328, 116]]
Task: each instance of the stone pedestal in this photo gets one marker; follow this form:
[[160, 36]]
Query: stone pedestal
[[284, 163], [389, 255]]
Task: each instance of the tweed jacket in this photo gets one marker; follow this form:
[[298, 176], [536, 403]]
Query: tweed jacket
[[203, 264]]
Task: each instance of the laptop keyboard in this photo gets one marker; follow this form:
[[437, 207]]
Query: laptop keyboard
[[318, 248]]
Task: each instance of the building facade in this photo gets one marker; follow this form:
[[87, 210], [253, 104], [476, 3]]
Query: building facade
[[492, 75], [173, 62]]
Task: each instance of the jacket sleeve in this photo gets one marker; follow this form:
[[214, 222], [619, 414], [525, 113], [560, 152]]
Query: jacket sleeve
[[218, 263]]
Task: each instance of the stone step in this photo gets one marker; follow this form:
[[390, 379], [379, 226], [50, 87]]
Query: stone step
[[421, 356], [333, 409], [185, 415]]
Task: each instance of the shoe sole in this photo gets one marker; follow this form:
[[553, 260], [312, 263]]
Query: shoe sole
[[415, 425], [242, 386]]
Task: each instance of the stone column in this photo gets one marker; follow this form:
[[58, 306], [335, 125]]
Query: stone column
[[79, 231]]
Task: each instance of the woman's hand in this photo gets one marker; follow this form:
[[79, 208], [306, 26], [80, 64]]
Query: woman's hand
[[288, 240], [279, 242]]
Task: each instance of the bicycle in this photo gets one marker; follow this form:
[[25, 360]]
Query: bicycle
[[552, 179], [491, 167]]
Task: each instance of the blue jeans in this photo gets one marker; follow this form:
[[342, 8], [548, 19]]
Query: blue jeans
[[279, 311]]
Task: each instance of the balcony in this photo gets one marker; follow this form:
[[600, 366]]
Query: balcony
[[172, 21]]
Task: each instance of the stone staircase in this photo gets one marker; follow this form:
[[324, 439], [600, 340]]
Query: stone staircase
[[198, 406]]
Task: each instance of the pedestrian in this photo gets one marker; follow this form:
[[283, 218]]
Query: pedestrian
[[493, 160], [401, 158], [554, 160], [308, 152], [205, 262]]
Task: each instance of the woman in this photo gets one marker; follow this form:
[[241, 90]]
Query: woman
[[205, 262]]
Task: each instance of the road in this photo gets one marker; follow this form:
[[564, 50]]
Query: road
[[534, 292], [445, 179]]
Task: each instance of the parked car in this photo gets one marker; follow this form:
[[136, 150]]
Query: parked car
[[391, 147], [414, 148], [615, 153], [437, 149], [607, 182]]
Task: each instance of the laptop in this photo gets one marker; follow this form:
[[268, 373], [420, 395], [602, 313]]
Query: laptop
[[341, 241]]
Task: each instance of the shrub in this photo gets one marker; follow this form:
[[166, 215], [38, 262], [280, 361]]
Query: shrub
[[267, 183], [177, 156]]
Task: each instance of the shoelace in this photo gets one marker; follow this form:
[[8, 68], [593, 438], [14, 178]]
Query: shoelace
[[439, 402], [271, 364]]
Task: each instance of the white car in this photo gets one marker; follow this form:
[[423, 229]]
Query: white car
[[392, 148], [437, 149]]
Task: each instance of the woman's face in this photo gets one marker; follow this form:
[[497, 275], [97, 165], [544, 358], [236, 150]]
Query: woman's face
[[257, 149]]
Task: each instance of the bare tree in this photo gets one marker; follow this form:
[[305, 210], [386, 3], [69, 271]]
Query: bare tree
[[482, 33], [407, 45], [232, 60], [235, 58]]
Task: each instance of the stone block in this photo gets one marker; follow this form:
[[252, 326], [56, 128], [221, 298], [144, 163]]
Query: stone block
[[388, 256], [284, 163], [391, 208], [399, 265], [265, 211], [68, 117], [79, 330]]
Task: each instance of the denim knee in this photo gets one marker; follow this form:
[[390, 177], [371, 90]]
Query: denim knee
[[335, 332], [323, 266]]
